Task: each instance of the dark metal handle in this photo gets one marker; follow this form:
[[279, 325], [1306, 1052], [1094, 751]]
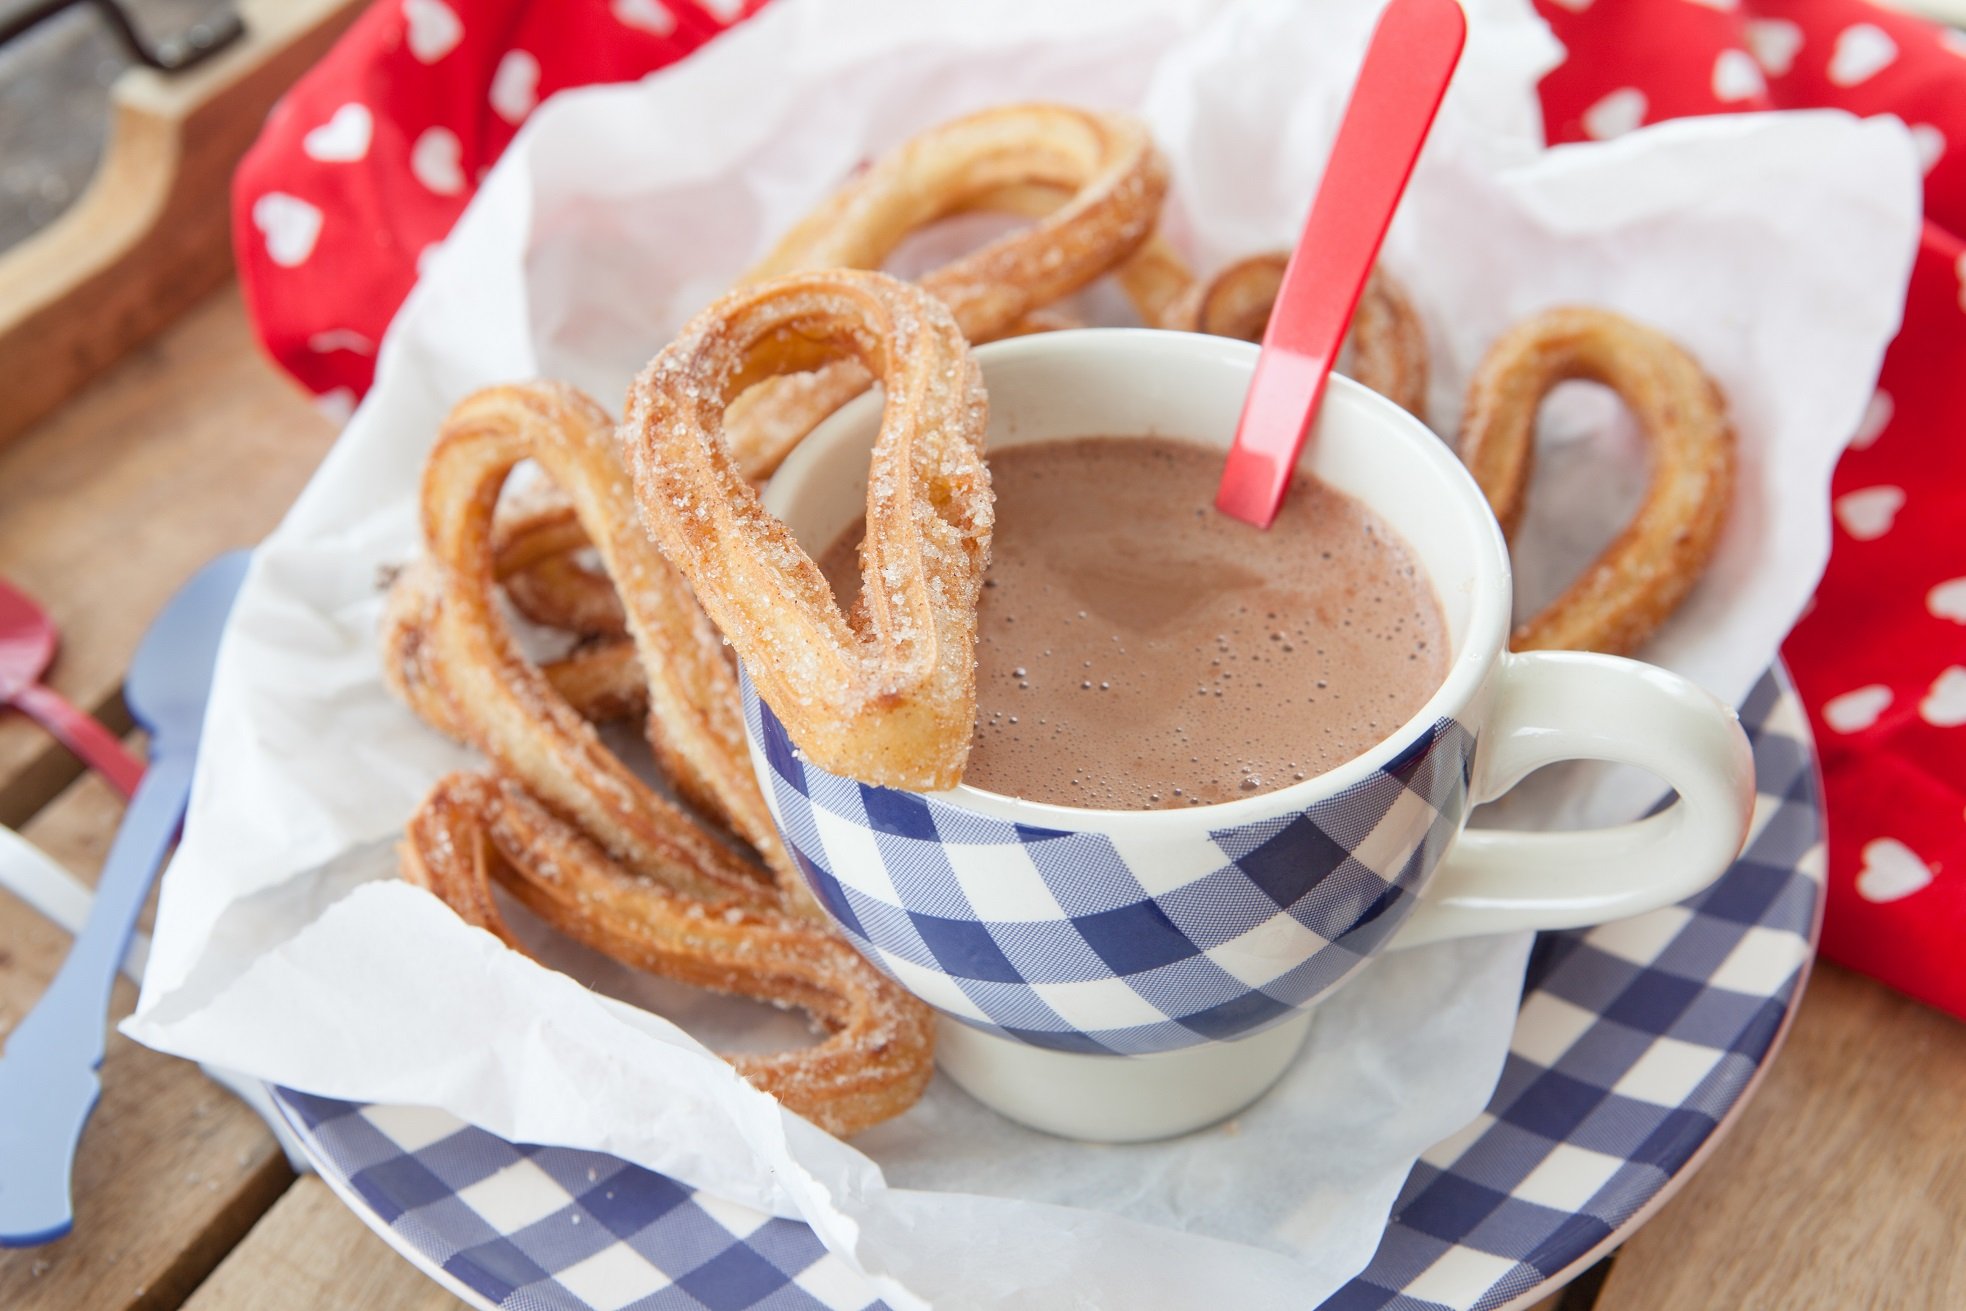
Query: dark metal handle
[[203, 41]]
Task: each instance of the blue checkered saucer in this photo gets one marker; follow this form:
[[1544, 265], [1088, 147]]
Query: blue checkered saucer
[[1636, 1045]]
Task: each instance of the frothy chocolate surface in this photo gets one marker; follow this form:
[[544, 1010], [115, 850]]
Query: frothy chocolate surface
[[1140, 650]]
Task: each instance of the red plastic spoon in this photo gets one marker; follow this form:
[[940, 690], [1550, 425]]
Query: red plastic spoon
[[27, 645], [1407, 67]]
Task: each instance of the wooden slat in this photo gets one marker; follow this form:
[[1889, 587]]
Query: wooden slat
[[173, 1169], [310, 1253], [1845, 1183], [151, 235], [190, 446]]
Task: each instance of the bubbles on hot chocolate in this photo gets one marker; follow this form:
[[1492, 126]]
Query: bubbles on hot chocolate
[[1134, 656]]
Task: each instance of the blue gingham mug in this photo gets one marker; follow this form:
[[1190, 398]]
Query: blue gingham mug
[[1122, 975]]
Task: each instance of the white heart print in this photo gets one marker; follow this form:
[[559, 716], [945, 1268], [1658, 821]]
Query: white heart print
[[336, 405], [340, 339], [434, 29], [290, 227], [1891, 872], [1944, 705], [515, 86], [1863, 50], [648, 15], [1855, 711], [1736, 76], [434, 161], [1948, 600], [724, 11], [1877, 417], [1615, 115], [343, 138], [1774, 42], [1574, 6], [1868, 514]]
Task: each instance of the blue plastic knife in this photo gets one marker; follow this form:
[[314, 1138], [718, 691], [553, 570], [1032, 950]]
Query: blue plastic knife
[[49, 1079]]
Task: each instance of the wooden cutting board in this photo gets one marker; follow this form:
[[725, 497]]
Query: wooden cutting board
[[151, 236]]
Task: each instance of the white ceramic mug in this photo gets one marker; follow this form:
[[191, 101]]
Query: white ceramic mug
[[1123, 975]]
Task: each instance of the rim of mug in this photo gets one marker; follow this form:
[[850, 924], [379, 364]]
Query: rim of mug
[[1477, 651]]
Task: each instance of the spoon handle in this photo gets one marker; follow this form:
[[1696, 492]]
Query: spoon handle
[[48, 1070], [83, 734], [1400, 85]]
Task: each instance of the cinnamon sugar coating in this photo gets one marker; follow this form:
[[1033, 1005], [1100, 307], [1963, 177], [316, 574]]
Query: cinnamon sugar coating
[[886, 695], [1641, 577], [561, 823], [1093, 182]]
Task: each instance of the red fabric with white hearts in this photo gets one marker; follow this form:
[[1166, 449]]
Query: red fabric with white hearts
[[370, 158], [1881, 655], [367, 161]]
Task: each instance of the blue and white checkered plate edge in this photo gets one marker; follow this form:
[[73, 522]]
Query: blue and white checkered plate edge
[[1636, 1043]]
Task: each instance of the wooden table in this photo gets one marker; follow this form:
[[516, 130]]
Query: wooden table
[[1844, 1185]]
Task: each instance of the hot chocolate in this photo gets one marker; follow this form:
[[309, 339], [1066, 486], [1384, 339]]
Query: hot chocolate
[[1139, 650]]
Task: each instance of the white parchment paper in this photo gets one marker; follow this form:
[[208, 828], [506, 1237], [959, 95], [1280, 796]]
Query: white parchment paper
[[1775, 247]]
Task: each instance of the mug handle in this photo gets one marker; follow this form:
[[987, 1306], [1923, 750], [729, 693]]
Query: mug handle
[[1565, 705]]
